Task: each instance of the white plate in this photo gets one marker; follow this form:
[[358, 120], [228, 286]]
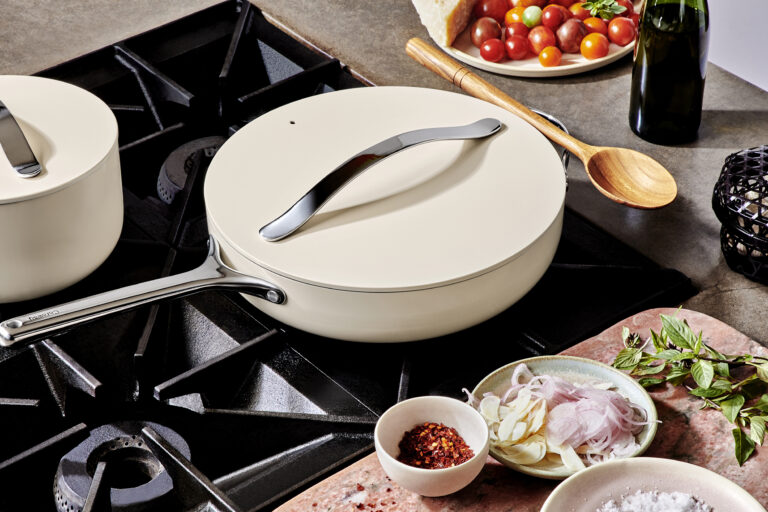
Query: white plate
[[589, 489], [572, 63], [572, 369]]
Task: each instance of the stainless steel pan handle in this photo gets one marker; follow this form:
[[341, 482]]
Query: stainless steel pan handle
[[212, 274], [303, 210]]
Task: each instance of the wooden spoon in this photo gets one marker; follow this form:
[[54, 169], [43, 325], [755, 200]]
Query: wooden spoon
[[623, 175]]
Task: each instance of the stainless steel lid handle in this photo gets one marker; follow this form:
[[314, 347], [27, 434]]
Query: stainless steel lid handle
[[16, 146], [298, 214], [212, 274]]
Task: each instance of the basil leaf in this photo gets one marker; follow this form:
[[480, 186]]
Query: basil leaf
[[647, 382], [624, 335], [721, 384], [731, 407], [761, 371], [757, 429], [658, 342], [628, 358], [707, 392], [762, 404], [703, 373], [669, 354], [678, 331], [649, 370], [743, 445]]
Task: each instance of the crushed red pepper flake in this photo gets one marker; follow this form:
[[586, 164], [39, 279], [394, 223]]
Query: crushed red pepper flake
[[360, 487], [433, 446]]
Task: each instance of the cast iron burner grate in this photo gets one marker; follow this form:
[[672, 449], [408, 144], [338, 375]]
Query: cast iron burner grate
[[265, 409]]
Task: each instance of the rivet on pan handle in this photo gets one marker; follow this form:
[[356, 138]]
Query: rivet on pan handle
[[15, 145], [212, 274]]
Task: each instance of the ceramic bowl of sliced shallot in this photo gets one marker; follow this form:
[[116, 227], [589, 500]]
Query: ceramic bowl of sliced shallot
[[552, 416]]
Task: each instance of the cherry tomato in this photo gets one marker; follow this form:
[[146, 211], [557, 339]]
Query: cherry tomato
[[564, 3], [570, 34], [635, 17], [540, 37], [595, 24], [595, 45], [552, 17], [566, 12], [496, 9], [550, 56], [493, 50], [578, 12], [528, 3], [515, 29], [517, 47], [483, 30], [532, 16], [514, 15], [629, 8], [621, 31]]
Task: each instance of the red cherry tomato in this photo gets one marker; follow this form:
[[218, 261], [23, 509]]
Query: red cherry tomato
[[495, 9], [564, 3], [483, 30], [552, 17], [635, 17], [629, 8], [540, 37], [578, 12], [516, 29], [594, 46], [528, 3], [517, 47], [621, 31], [595, 24], [550, 56], [493, 50]]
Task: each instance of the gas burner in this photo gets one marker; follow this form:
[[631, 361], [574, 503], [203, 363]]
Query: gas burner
[[182, 162], [116, 457]]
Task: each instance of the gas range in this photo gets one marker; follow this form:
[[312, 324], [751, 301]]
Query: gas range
[[205, 401]]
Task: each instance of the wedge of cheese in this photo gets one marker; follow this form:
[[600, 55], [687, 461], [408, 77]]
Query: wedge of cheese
[[444, 19]]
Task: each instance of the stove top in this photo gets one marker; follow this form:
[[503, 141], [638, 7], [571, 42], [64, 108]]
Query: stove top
[[206, 401]]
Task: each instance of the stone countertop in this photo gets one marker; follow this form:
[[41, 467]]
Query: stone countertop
[[369, 37]]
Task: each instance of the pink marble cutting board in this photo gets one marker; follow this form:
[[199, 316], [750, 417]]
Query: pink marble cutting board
[[701, 437]]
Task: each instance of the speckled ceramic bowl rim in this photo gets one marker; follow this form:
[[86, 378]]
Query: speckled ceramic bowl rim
[[449, 402], [649, 431], [641, 471]]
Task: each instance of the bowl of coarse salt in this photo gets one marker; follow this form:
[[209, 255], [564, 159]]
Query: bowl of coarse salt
[[647, 484]]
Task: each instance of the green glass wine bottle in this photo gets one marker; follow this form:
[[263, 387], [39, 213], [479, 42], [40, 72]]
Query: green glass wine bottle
[[669, 71]]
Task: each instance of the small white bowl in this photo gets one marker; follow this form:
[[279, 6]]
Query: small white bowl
[[402, 417]]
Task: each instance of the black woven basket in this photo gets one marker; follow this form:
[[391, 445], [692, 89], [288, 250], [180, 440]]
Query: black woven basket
[[740, 201]]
